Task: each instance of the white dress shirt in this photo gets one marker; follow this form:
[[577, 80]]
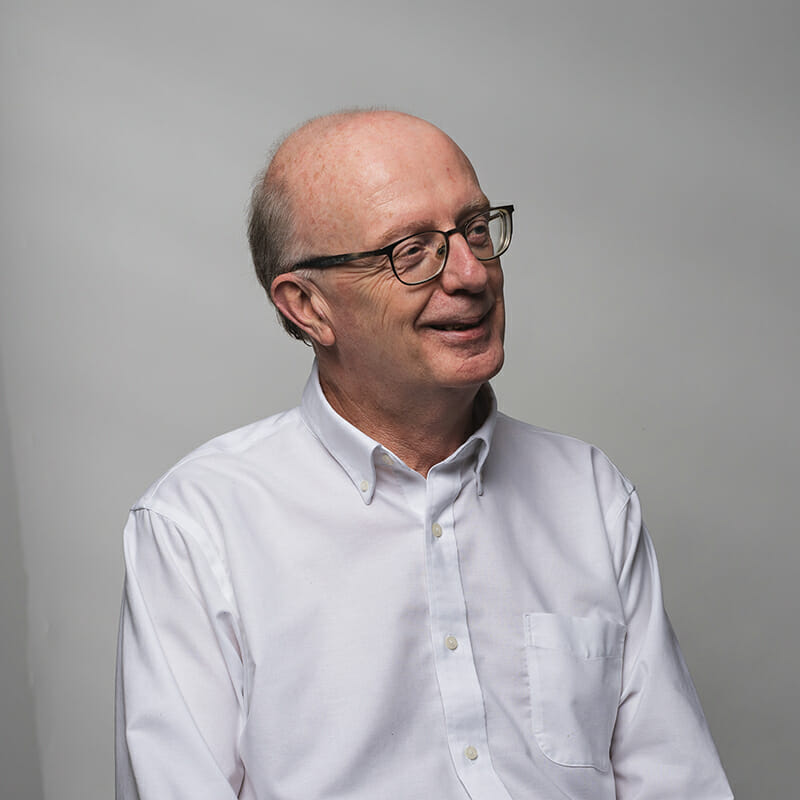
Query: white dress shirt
[[306, 618]]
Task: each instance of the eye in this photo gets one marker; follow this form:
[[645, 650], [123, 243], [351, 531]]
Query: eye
[[412, 253], [410, 250], [419, 255], [477, 230]]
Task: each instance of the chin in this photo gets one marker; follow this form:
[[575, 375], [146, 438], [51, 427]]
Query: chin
[[490, 373], [475, 371]]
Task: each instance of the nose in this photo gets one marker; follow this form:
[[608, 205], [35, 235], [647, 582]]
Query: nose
[[463, 272]]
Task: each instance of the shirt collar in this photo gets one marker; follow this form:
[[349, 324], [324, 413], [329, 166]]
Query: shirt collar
[[356, 452]]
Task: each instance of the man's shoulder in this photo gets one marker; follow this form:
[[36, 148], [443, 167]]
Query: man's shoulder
[[539, 450], [229, 458], [532, 438]]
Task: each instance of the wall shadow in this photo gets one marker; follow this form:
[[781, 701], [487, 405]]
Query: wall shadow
[[20, 765]]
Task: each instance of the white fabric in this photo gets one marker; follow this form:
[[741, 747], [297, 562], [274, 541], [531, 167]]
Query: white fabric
[[305, 618]]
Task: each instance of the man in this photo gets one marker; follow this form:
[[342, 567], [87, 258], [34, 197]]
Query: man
[[394, 591]]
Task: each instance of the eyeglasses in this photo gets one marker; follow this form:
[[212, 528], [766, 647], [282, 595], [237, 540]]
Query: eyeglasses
[[419, 258]]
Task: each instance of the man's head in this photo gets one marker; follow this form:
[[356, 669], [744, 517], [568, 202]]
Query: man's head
[[356, 182]]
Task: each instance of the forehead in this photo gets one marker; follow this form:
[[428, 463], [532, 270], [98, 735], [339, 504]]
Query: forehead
[[354, 183]]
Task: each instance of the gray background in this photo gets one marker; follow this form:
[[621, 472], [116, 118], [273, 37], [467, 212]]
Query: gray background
[[651, 150]]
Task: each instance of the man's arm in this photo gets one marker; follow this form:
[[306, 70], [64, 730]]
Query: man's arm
[[180, 697], [661, 747]]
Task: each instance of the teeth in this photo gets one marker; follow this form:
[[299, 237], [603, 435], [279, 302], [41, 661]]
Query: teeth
[[455, 327]]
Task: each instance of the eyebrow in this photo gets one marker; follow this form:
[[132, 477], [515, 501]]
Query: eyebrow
[[420, 226]]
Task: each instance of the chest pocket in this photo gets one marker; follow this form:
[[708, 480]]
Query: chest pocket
[[574, 677]]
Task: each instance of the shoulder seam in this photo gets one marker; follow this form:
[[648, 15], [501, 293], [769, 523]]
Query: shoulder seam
[[213, 557], [209, 448]]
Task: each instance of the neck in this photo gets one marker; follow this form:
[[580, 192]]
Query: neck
[[422, 432]]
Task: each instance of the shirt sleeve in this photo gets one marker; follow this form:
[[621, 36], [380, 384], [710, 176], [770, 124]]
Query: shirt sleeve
[[661, 748], [180, 676]]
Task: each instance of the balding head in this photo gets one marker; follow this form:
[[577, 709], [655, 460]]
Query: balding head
[[324, 179]]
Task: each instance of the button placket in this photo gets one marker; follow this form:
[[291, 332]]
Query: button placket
[[459, 688]]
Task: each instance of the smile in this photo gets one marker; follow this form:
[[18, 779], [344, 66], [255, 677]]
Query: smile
[[459, 325]]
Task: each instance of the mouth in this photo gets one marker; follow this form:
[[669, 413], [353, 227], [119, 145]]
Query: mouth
[[457, 326], [460, 325]]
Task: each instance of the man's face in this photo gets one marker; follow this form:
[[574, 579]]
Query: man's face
[[397, 340]]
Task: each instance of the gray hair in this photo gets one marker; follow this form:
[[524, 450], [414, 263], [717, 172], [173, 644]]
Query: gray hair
[[270, 231]]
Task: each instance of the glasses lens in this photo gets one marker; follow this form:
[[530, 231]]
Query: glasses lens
[[489, 234], [420, 257]]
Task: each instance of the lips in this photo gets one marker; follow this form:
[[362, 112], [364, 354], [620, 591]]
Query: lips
[[456, 326], [460, 324]]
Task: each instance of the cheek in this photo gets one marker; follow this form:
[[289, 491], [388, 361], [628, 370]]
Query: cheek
[[395, 308], [500, 300], [498, 282], [358, 300], [372, 310], [375, 295]]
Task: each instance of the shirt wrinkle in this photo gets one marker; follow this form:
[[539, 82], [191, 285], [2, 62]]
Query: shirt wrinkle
[[205, 547]]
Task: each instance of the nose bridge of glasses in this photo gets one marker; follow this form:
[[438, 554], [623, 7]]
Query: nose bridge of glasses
[[462, 269], [448, 235]]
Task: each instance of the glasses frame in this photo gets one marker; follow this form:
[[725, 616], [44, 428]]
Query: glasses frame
[[323, 262]]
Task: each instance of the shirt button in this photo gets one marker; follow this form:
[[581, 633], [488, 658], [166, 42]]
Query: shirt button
[[363, 486], [437, 530], [451, 642], [471, 753], [386, 458]]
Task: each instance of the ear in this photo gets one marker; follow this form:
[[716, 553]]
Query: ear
[[301, 301]]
